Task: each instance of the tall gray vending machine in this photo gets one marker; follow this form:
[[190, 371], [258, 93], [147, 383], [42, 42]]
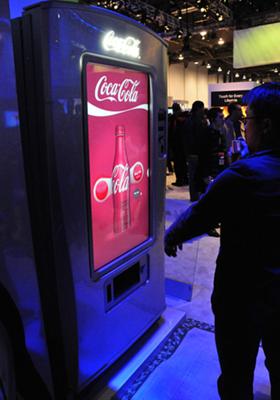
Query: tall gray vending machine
[[91, 91]]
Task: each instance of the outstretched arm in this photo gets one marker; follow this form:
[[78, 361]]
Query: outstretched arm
[[204, 214]]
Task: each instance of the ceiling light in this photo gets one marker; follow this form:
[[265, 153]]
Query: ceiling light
[[244, 77], [220, 18], [179, 34], [220, 69], [181, 57], [258, 81], [203, 9], [228, 72], [237, 75], [276, 70], [208, 66], [250, 79], [203, 33], [221, 41], [196, 62]]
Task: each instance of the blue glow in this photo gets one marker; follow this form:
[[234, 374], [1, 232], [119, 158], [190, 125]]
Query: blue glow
[[17, 6], [83, 22], [11, 119]]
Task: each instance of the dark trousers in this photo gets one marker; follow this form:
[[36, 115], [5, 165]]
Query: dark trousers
[[196, 182], [238, 333]]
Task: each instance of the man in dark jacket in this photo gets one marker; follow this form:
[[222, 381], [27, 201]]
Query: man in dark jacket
[[246, 295], [197, 148]]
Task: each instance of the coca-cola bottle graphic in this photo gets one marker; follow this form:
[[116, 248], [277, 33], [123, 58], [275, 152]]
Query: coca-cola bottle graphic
[[121, 183]]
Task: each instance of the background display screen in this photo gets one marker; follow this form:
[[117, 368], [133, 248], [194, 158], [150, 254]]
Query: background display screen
[[118, 145], [256, 46]]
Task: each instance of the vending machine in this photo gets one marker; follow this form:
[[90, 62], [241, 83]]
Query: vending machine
[[91, 92]]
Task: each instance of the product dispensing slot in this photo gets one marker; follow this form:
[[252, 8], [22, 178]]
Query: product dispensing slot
[[126, 280], [122, 284], [162, 133]]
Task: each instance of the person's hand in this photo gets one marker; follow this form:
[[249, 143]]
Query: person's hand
[[244, 149], [208, 179], [171, 250]]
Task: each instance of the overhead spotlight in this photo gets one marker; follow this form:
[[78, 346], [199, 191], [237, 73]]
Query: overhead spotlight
[[196, 62], [250, 79], [244, 77], [203, 34], [221, 41], [237, 75], [181, 57], [220, 18], [208, 66], [220, 69], [166, 28], [228, 72], [179, 34], [203, 9], [258, 81], [276, 70]]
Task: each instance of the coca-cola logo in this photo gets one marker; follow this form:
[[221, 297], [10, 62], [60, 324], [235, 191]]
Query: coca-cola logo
[[119, 92], [128, 46], [120, 178]]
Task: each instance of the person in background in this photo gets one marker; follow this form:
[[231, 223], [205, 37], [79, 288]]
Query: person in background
[[197, 147], [246, 294], [218, 140], [233, 126], [180, 163]]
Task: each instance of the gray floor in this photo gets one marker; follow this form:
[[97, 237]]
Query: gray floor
[[191, 372]]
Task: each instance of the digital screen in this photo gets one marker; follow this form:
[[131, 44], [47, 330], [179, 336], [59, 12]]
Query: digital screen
[[118, 158], [256, 46]]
